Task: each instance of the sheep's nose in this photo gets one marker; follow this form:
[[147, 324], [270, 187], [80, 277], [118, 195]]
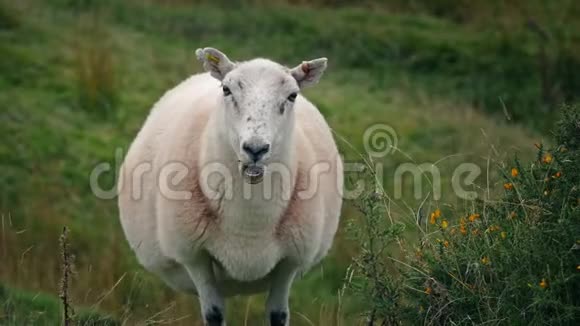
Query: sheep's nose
[[255, 149]]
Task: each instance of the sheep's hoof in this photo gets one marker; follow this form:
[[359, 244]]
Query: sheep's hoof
[[278, 318], [214, 317]]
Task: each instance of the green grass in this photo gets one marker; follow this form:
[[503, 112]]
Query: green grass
[[63, 111], [493, 65], [29, 308]]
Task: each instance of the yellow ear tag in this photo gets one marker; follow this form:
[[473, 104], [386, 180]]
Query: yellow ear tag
[[212, 58]]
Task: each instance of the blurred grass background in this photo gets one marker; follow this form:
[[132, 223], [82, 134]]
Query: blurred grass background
[[459, 81]]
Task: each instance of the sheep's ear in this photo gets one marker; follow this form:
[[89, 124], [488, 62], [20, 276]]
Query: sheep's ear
[[309, 72], [214, 62]]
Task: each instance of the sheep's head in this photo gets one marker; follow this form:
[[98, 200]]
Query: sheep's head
[[258, 100]]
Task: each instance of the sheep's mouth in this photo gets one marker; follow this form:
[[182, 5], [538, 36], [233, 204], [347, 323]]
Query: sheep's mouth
[[252, 173]]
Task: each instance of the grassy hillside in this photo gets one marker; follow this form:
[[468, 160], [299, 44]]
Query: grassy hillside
[[77, 79]]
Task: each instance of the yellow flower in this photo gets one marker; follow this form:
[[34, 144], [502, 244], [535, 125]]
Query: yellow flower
[[493, 228], [434, 216], [485, 260], [503, 234], [444, 224], [428, 291], [547, 159], [473, 217], [446, 244], [543, 283], [437, 213], [515, 172], [508, 186], [578, 267], [462, 228]]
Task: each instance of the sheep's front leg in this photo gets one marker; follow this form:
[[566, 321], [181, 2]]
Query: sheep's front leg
[[277, 304], [212, 302]]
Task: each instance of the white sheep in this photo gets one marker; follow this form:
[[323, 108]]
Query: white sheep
[[233, 185]]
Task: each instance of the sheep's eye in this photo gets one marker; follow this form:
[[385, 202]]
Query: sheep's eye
[[292, 97], [226, 91]]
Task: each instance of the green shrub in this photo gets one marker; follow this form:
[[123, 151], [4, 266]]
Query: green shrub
[[514, 261], [368, 277]]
